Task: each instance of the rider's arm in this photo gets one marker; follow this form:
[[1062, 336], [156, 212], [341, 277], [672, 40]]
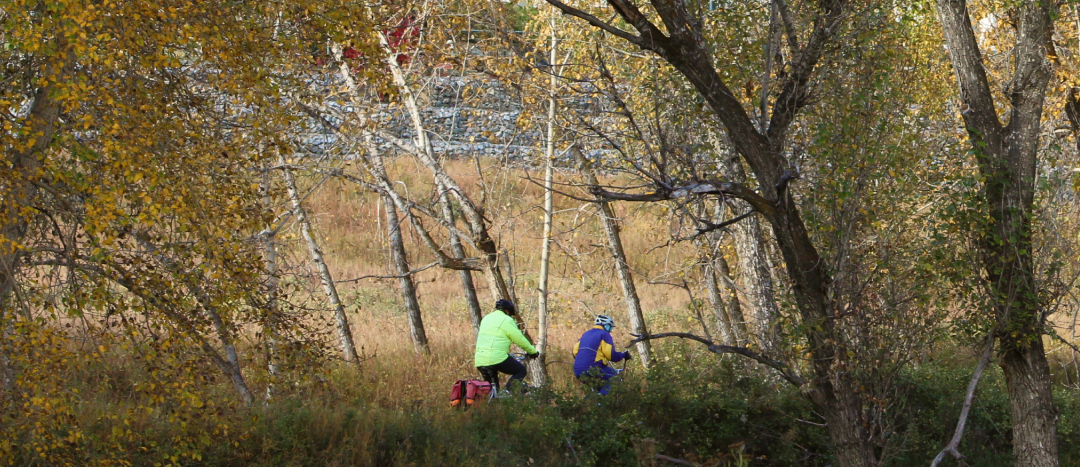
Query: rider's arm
[[509, 327], [607, 349]]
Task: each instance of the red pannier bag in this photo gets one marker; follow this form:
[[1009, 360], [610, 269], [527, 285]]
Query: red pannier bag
[[466, 392]]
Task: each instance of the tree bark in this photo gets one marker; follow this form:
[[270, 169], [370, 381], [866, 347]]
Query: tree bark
[[622, 268], [1007, 159], [549, 209], [348, 346], [755, 271], [734, 305], [757, 281], [724, 323], [472, 303], [682, 44], [272, 319], [405, 282], [473, 214]]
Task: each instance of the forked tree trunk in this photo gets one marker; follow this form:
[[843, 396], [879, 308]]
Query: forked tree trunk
[[724, 323], [405, 282], [340, 318], [682, 44], [1007, 156], [473, 214]]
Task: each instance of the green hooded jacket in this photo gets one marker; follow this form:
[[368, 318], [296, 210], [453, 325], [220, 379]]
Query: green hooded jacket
[[497, 331]]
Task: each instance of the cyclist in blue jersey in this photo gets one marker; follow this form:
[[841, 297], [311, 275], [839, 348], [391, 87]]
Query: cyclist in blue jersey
[[594, 353]]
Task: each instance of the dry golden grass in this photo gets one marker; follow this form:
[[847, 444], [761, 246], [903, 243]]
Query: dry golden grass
[[352, 226]]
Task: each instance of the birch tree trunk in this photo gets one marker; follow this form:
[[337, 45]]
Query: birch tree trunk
[[272, 282], [473, 214], [231, 357], [724, 323], [756, 271], [472, 303], [549, 208], [405, 282], [734, 307], [726, 307], [622, 268], [340, 318], [230, 365]]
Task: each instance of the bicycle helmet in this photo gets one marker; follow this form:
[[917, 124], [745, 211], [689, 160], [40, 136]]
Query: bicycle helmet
[[505, 305], [605, 321]]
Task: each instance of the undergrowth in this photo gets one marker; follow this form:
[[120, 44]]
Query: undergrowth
[[700, 408]]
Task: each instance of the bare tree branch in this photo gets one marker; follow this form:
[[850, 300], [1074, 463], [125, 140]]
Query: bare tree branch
[[571, 11], [955, 442], [661, 457], [785, 371], [709, 226], [789, 26], [399, 276], [736, 190]]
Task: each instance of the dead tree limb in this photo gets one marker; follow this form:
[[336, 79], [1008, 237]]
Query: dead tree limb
[[785, 371], [955, 441]]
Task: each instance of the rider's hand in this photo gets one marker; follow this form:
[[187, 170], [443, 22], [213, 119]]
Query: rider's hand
[[627, 355], [533, 355]]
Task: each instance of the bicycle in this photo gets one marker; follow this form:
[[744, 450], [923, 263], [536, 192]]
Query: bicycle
[[491, 376]]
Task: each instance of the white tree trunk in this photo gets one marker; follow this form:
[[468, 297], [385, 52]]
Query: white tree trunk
[[405, 282], [622, 268], [756, 272], [272, 319], [233, 359], [473, 215], [549, 209], [472, 302], [342, 321], [716, 300]]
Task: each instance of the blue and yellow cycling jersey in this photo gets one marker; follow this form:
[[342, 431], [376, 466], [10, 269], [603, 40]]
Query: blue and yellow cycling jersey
[[594, 349]]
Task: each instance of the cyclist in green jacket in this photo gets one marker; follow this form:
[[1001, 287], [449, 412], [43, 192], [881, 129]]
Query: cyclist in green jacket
[[497, 330]]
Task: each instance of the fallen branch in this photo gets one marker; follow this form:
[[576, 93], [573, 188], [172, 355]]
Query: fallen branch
[[955, 441], [661, 457]]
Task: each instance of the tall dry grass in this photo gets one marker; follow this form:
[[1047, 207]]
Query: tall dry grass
[[351, 225]]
